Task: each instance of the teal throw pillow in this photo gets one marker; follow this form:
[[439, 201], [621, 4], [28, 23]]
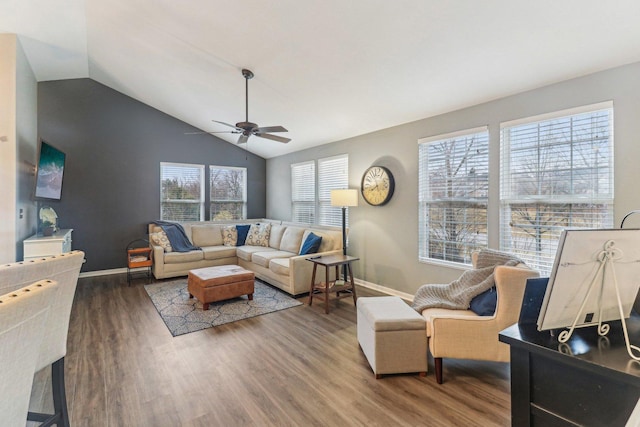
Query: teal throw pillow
[[311, 244], [243, 230]]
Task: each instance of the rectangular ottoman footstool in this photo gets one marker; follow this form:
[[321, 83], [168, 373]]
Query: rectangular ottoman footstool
[[392, 335], [219, 283]]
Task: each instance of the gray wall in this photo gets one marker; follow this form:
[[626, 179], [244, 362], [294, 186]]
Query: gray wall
[[386, 238], [114, 146]]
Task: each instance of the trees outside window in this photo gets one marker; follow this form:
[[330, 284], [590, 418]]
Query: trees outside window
[[181, 192], [453, 194], [557, 173], [228, 189]]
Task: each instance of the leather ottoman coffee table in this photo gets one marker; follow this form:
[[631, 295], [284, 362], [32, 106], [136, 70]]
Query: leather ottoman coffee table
[[219, 283]]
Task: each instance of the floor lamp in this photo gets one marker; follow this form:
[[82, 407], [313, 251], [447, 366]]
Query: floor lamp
[[344, 198]]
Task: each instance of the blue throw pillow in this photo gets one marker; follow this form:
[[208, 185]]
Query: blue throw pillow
[[485, 303], [243, 230], [311, 244]]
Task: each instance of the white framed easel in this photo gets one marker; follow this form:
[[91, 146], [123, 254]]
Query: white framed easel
[[595, 279]]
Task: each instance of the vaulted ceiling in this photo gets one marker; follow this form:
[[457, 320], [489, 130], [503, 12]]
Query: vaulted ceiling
[[324, 69]]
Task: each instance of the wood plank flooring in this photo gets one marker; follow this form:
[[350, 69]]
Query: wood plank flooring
[[296, 367]]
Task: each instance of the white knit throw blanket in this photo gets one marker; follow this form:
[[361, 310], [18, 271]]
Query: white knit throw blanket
[[458, 294]]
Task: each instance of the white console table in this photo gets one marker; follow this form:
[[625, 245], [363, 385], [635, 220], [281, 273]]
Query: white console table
[[42, 246]]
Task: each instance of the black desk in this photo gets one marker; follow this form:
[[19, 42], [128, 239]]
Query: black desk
[[589, 380]]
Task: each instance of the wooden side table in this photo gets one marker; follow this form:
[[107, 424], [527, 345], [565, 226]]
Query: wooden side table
[[323, 290], [138, 257]]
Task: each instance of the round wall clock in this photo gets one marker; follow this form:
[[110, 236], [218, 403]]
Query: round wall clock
[[377, 185]]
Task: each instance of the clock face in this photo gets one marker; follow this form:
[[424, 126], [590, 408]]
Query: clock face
[[377, 185]]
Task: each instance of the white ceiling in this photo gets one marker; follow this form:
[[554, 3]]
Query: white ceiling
[[325, 69]]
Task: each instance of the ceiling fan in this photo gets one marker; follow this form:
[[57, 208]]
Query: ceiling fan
[[247, 128]]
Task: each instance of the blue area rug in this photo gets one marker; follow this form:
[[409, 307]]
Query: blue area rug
[[182, 314]]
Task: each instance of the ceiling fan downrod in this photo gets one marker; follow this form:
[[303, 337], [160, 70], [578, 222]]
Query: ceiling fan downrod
[[247, 74]]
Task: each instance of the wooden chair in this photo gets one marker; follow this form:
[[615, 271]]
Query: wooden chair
[[23, 317]]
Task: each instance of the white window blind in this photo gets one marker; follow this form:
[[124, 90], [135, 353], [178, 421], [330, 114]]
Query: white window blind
[[227, 192], [556, 173], [333, 173], [181, 192], [303, 192], [453, 193]]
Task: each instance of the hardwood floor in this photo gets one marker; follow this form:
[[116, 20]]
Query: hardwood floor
[[296, 367]]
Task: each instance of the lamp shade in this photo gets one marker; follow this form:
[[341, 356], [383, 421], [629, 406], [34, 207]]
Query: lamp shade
[[346, 197]]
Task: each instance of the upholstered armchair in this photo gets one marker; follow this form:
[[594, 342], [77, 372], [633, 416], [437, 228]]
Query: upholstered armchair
[[462, 334], [64, 269], [23, 315]]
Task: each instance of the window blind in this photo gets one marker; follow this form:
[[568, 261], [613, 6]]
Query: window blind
[[333, 174], [181, 192], [556, 173], [227, 192], [453, 192], [303, 192]]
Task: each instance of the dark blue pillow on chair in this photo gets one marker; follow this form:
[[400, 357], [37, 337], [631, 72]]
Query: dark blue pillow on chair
[[485, 303], [243, 230], [311, 244]]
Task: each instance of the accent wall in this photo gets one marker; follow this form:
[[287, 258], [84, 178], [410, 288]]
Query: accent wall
[[114, 146]]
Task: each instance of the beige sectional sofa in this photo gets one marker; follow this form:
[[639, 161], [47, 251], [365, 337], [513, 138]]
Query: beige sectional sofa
[[277, 262]]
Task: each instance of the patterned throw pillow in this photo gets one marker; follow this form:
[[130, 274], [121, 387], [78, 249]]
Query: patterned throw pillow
[[259, 235], [160, 238], [230, 235]]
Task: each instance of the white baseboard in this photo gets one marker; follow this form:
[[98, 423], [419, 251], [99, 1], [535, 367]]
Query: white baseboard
[[383, 289], [359, 282], [106, 272]]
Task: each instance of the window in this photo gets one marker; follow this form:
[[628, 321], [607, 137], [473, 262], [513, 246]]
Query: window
[[557, 173], [453, 193], [333, 174], [227, 192], [303, 192], [311, 194], [181, 192]]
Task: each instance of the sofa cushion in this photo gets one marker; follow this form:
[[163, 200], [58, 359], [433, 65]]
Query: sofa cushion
[[292, 239], [263, 258], [275, 236], [243, 230], [230, 235], [259, 235], [246, 252], [310, 243], [160, 239], [206, 235], [218, 252], [279, 266], [180, 257]]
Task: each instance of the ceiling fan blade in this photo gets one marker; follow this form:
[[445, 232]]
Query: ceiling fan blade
[[243, 138], [227, 124], [270, 129], [273, 137]]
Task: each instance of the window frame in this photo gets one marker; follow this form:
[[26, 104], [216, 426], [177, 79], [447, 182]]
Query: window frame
[[242, 200], [580, 205], [331, 179], [200, 201], [426, 201], [303, 200]]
